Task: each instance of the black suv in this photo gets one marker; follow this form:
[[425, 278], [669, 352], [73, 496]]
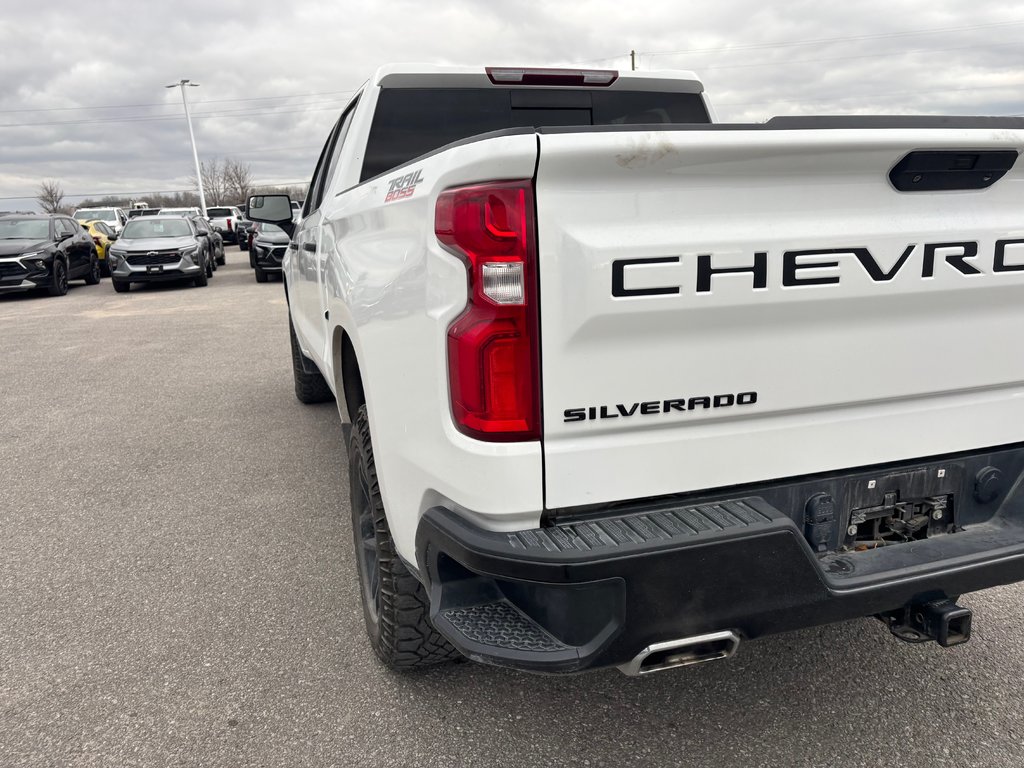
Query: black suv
[[268, 246], [45, 251]]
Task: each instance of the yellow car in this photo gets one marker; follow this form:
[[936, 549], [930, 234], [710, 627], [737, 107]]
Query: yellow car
[[101, 233]]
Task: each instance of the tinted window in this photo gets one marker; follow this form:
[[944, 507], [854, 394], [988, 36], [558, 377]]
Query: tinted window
[[346, 121], [215, 213], [69, 227], [410, 122], [313, 198]]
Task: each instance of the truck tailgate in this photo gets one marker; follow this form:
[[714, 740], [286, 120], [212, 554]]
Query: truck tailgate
[[863, 324]]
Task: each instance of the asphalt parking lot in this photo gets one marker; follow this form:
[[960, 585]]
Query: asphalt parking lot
[[177, 588]]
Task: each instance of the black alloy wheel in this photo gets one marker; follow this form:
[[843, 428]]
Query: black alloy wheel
[[59, 279], [93, 278], [367, 554]]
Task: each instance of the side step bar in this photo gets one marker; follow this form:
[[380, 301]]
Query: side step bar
[[683, 653]]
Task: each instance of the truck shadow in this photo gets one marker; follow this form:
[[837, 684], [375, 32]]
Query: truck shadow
[[816, 692]]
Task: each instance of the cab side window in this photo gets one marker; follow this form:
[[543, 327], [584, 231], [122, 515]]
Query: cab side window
[[328, 163], [339, 142]]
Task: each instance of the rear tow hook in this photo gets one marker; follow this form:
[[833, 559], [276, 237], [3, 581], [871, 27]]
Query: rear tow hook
[[943, 621]]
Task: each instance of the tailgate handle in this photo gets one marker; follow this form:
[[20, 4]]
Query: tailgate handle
[[930, 171]]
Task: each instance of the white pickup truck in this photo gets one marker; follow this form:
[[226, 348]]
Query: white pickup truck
[[625, 387], [225, 220]]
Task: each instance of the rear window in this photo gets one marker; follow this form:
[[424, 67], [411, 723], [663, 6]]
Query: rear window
[[410, 122], [96, 214], [216, 213]]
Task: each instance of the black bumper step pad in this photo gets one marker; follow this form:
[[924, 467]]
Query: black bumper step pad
[[501, 625], [662, 526]]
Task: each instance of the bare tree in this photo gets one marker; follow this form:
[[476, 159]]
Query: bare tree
[[237, 180], [212, 174], [50, 196]]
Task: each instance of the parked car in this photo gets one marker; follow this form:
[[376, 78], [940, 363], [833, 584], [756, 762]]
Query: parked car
[[45, 252], [159, 248], [115, 217], [777, 388], [102, 235], [216, 241], [225, 220], [244, 230], [180, 212], [269, 244]]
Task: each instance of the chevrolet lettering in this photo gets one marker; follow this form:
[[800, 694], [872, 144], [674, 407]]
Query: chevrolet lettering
[[824, 266]]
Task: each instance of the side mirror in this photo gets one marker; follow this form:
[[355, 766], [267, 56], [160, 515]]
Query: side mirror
[[113, 237], [62, 236], [271, 209]]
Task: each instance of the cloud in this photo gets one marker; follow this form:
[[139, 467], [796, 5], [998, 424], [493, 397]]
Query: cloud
[[274, 78]]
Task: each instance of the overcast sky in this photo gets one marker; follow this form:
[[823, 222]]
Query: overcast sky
[[82, 98]]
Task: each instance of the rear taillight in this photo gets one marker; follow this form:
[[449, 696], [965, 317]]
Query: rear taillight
[[493, 361], [229, 225], [96, 240]]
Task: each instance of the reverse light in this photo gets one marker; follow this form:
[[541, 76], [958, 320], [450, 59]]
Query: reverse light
[[565, 77], [493, 363]]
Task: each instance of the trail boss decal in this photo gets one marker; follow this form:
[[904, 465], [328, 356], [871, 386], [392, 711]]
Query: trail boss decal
[[403, 186], [806, 267], [654, 407]]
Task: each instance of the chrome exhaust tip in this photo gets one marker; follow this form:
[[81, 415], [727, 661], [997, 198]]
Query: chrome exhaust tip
[[683, 653]]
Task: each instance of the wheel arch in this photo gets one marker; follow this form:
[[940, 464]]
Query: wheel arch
[[348, 379]]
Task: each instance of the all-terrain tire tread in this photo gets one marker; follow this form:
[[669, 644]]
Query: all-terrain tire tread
[[309, 387], [407, 640]]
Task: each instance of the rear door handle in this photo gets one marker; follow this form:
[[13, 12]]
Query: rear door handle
[[309, 247]]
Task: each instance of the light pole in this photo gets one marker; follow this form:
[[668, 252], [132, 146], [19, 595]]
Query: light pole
[[195, 153]]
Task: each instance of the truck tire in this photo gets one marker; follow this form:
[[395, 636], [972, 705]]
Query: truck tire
[[395, 605], [309, 387]]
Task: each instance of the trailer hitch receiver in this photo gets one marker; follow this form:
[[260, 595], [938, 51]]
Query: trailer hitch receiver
[[943, 621]]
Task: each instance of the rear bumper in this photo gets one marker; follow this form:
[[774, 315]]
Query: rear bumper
[[594, 591]]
